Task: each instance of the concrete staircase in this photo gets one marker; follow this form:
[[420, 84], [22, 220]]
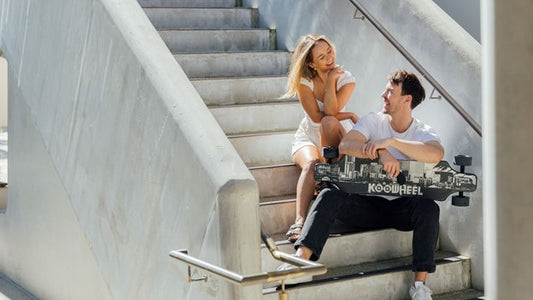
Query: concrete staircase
[[239, 72]]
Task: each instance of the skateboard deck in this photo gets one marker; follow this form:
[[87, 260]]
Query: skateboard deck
[[365, 176]]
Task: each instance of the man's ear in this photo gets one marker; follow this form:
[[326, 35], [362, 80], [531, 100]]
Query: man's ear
[[408, 99]]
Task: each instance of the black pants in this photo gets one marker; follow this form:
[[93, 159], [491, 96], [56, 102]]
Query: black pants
[[405, 214]]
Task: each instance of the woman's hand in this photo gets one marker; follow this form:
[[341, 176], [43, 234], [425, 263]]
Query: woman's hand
[[354, 117], [335, 73]]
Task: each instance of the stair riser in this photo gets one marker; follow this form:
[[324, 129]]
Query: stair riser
[[264, 150], [277, 218], [354, 248], [240, 90], [188, 3], [393, 285], [202, 18], [258, 118], [276, 181], [218, 40], [234, 64]]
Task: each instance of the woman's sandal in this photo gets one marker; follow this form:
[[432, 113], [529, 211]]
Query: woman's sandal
[[294, 232]]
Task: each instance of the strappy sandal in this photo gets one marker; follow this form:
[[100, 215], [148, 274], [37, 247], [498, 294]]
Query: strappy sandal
[[294, 232]]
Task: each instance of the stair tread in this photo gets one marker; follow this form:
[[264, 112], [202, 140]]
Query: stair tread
[[273, 200], [214, 29], [237, 77], [207, 53], [198, 8], [367, 269], [261, 133], [256, 104]]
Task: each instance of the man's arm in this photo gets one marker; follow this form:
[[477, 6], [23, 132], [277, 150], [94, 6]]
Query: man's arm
[[429, 152], [353, 144]]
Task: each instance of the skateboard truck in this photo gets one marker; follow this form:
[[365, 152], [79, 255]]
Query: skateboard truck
[[462, 161], [330, 153]]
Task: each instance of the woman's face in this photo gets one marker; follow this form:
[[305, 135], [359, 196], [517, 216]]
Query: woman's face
[[323, 56]]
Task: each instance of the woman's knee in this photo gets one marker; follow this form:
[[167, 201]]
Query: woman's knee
[[309, 166], [329, 123]]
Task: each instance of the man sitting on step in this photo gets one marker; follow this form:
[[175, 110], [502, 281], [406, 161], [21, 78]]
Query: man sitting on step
[[390, 135]]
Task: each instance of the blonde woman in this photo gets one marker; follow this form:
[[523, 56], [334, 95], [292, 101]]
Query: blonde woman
[[323, 89]]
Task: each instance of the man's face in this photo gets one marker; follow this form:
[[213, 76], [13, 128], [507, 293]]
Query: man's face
[[392, 98]]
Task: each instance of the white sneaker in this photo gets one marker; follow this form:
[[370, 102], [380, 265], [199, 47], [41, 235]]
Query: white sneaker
[[419, 291], [295, 280]]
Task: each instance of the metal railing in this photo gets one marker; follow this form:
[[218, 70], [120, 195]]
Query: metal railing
[[303, 268], [466, 116]]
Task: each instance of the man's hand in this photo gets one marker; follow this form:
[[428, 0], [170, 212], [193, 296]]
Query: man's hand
[[390, 164], [371, 148]]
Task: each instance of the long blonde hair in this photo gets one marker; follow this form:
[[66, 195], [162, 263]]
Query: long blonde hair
[[300, 60]]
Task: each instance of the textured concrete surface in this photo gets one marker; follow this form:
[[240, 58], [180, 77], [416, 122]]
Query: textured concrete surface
[[109, 165]]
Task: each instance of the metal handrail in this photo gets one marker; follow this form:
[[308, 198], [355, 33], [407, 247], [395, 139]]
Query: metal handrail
[[466, 116], [303, 267]]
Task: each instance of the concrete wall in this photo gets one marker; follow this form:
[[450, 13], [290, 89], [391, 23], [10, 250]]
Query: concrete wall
[[448, 52], [507, 144], [114, 161], [3, 93]]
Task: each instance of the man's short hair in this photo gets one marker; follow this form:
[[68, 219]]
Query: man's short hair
[[410, 86]]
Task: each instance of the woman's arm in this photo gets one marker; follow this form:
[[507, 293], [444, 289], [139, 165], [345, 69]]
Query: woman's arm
[[334, 101], [308, 102], [344, 115]]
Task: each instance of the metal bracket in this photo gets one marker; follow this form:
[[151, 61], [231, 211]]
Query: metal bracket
[[191, 279], [189, 272], [355, 16], [432, 96]]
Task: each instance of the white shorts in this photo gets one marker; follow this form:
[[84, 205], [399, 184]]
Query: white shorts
[[308, 134]]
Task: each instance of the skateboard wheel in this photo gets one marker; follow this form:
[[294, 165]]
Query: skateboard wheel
[[330, 152], [463, 160], [460, 200]]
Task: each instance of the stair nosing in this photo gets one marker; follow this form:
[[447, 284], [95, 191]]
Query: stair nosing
[[258, 167], [215, 29], [280, 102], [232, 52], [199, 8]]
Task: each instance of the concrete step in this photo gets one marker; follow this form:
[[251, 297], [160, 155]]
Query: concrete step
[[187, 3], [366, 246], [277, 214], [388, 279], [231, 64], [276, 180], [165, 18], [467, 294], [219, 40], [264, 117], [264, 149], [240, 90]]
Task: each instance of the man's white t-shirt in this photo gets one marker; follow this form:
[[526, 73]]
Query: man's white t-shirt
[[376, 126]]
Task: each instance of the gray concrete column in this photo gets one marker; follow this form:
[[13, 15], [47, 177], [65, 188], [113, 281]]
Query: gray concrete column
[[507, 146]]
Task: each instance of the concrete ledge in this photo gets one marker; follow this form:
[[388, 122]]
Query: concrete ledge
[[10, 290]]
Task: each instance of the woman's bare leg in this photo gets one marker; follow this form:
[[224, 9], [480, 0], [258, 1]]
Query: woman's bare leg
[[306, 158], [331, 131]]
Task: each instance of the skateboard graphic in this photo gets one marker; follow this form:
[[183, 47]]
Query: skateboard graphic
[[365, 176]]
